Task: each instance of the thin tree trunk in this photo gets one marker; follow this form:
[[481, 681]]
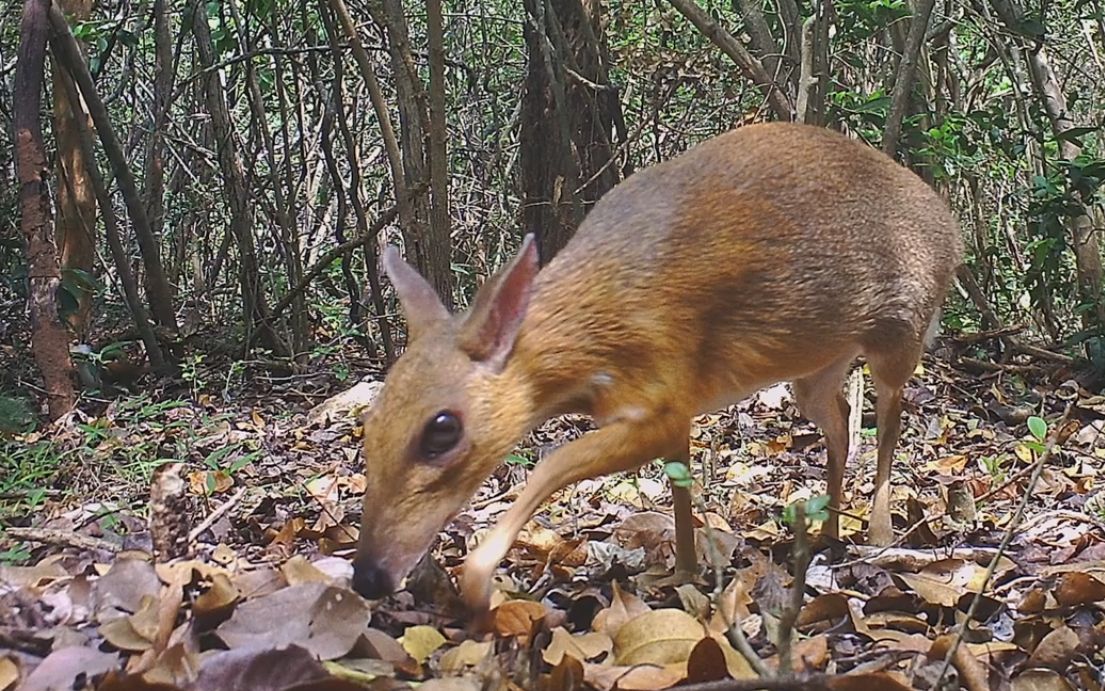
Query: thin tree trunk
[[439, 161], [157, 285], [49, 338], [76, 220], [428, 255], [904, 79], [118, 253]]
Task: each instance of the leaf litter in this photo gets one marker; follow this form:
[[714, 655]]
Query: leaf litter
[[261, 598]]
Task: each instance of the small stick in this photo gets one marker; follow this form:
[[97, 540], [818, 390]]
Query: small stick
[[216, 515], [801, 556], [64, 538]]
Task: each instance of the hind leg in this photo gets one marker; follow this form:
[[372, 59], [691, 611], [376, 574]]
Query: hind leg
[[890, 369], [820, 397]]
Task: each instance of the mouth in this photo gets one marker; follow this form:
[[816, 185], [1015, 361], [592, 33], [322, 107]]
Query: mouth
[[370, 580]]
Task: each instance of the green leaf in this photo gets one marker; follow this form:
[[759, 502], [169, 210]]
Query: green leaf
[[679, 474], [1037, 427]]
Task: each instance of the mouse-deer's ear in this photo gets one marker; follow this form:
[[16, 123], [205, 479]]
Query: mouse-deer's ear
[[421, 305], [493, 322]]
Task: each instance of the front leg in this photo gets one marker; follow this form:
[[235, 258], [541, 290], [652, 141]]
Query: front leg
[[621, 445]]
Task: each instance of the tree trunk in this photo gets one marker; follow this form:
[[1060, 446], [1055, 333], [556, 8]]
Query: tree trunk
[[49, 338], [75, 224], [904, 80], [157, 285], [428, 253], [142, 322], [439, 161], [568, 114]]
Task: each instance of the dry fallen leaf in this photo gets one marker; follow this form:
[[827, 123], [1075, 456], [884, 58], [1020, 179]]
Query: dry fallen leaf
[[421, 641], [638, 678], [516, 617], [62, 667], [325, 620], [1055, 649], [623, 607], [1076, 589], [581, 647], [468, 654], [1040, 680], [657, 637], [9, 673]]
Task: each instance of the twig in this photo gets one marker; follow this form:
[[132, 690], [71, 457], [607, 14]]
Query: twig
[[63, 538], [216, 514], [801, 555], [1010, 530], [816, 682]]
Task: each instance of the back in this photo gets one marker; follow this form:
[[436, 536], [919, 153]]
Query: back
[[750, 248]]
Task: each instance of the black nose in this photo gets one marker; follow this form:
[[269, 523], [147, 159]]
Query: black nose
[[370, 580]]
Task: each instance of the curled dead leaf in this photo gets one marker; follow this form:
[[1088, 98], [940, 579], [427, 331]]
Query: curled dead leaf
[[1077, 588], [581, 647]]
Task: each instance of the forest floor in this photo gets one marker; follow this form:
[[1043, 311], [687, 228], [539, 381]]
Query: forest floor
[[263, 497]]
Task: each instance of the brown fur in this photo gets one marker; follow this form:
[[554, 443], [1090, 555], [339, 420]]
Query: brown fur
[[771, 253]]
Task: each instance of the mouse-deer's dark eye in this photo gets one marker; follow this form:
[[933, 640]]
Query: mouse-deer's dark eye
[[440, 434]]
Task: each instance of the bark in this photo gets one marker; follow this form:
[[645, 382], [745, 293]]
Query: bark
[[49, 338], [257, 313], [157, 285], [772, 57], [439, 162], [904, 80], [569, 115], [752, 68], [75, 224]]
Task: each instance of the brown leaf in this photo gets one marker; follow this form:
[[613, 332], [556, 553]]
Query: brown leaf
[[823, 608], [298, 570], [218, 599], [1056, 649], [1077, 588], [62, 667], [134, 632], [566, 676], [516, 617], [9, 673], [120, 591], [639, 678], [943, 582], [706, 662], [325, 620], [272, 669], [657, 637], [1040, 680], [623, 607], [377, 644], [587, 646]]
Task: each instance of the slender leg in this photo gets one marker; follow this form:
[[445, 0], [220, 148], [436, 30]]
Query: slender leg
[[890, 371], [820, 397], [686, 558], [622, 445]]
